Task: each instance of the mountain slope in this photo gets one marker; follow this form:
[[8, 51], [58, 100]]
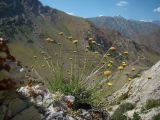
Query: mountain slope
[[143, 33], [157, 22], [27, 24]]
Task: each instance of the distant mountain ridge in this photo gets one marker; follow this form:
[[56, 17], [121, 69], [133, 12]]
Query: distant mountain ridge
[[156, 22], [144, 33]]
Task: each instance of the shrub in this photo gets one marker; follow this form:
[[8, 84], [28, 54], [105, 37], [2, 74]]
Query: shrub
[[118, 114], [156, 117], [136, 116], [152, 103]]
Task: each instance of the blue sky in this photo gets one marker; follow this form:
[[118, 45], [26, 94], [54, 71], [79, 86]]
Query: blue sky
[[147, 10]]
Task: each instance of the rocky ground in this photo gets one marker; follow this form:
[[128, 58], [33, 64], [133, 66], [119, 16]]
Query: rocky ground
[[138, 92]]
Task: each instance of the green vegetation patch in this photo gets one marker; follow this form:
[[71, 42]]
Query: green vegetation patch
[[118, 114]]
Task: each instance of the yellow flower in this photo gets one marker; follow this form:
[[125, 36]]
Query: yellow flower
[[70, 38], [74, 51], [70, 58], [124, 64], [75, 41], [133, 69], [129, 78], [49, 40], [109, 65], [125, 53], [93, 42], [109, 84], [107, 73], [96, 52], [120, 68], [112, 49], [111, 61], [61, 33], [34, 56], [108, 54], [90, 39]]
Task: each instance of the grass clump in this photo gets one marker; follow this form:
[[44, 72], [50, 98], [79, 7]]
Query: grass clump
[[119, 113], [84, 74], [156, 117], [152, 103]]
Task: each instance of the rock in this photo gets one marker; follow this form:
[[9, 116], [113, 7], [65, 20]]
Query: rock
[[28, 114], [139, 91]]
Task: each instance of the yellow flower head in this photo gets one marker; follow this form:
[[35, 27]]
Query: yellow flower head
[[70, 58], [74, 51], [108, 54], [111, 61], [107, 73], [129, 78], [124, 64], [49, 40], [96, 52], [112, 49], [90, 39], [93, 42], [125, 53], [70, 38], [75, 41], [120, 68], [61, 33], [133, 69], [34, 56], [109, 65], [109, 84]]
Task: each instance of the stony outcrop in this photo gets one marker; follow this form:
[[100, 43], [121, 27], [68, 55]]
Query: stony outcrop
[[138, 92]]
